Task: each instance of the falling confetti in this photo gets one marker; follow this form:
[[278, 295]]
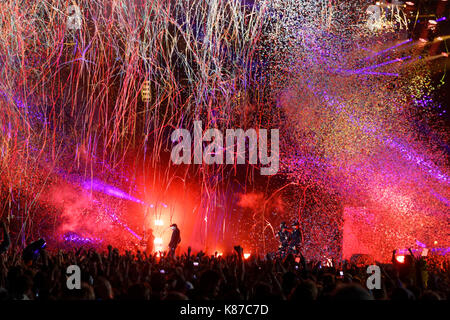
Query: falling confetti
[[90, 94]]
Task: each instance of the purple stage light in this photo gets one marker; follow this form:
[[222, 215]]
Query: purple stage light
[[367, 72], [72, 237], [407, 153], [379, 65], [378, 73], [116, 219], [420, 244], [98, 186], [412, 156], [388, 49]]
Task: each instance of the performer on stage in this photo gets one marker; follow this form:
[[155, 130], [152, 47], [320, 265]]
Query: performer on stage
[[284, 236], [6, 240], [175, 240], [150, 241], [296, 238]]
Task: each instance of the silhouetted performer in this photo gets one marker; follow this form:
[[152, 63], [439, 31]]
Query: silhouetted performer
[[150, 241], [175, 240], [296, 238], [6, 241], [284, 237]]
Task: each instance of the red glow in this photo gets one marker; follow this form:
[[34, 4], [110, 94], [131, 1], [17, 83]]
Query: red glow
[[158, 250]]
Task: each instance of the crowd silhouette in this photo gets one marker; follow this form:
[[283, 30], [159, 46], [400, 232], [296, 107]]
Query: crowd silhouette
[[111, 275]]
